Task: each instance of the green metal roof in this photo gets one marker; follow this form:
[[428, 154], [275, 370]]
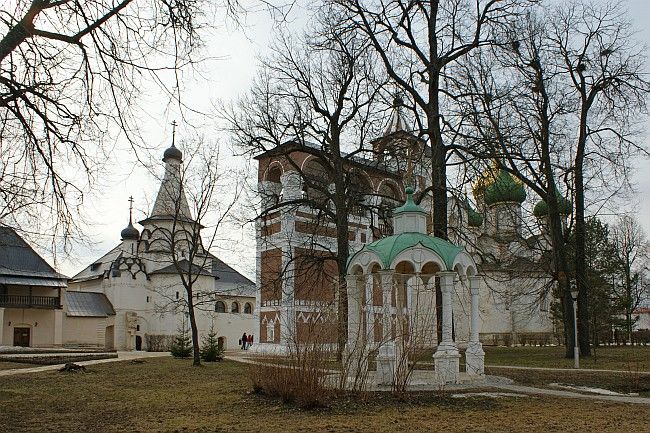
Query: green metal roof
[[409, 205], [541, 208], [390, 247], [504, 189]]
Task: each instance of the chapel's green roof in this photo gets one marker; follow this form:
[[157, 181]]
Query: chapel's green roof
[[504, 189], [409, 205], [389, 247], [541, 208]]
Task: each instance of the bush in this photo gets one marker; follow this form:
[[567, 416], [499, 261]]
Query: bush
[[158, 342], [301, 378], [210, 350], [181, 346]]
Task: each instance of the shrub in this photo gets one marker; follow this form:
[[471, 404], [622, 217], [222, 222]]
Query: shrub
[[158, 342], [301, 378], [210, 350], [181, 346]]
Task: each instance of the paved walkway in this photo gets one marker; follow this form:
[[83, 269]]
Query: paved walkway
[[121, 356], [569, 394]]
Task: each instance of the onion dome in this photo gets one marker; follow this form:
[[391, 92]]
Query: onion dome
[[541, 208], [172, 152], [505, 188], [130, 233]]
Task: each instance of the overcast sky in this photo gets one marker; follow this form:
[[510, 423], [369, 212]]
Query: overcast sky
[[225, 80]]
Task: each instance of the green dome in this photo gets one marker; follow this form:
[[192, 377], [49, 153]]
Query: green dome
[[504, 189], [541, 208], [474, 219], [390, 247]]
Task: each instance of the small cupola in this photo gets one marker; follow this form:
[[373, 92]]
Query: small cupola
[[409, 218], [172, 152], [130, 233]]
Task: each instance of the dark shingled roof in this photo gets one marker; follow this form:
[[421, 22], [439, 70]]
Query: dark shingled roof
[[185, 268], [226, 274], [18, 259], [88, 304]]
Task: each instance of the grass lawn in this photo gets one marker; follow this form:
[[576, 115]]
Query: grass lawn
[[165, 394], [4, 365], [626, 358]]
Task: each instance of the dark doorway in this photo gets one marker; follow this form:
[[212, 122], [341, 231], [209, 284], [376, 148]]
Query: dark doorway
[[221, 343], [21, 337], [138, 342]]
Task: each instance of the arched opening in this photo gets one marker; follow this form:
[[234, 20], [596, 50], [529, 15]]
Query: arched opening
[[234, 307], [248, 308], [219, 307], [138, 342], [316, 182], [221, 343], [271, 187], [389, 199], [359, 189]]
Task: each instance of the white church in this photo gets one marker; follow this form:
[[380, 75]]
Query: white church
[[142, 281]]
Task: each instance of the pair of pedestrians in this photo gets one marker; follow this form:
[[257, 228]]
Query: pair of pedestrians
[[246, 341]]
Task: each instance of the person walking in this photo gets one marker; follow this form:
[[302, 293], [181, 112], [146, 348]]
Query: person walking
[[250, 340], [244, 341]]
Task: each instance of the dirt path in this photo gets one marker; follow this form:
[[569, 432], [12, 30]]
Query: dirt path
[[121, 356]]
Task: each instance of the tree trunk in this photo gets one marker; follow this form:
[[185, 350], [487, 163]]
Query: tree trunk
[[580, 240], [342, 241], [194, 329]]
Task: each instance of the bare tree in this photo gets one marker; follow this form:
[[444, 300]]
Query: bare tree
[[189, 212], [604, 68], [72, 74], [310, 109], [516, 117], [418, 43], [632, 257]]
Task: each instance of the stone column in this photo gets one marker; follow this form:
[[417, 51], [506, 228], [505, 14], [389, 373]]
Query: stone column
[[2, 327], [355, 349], [58, 327], [387, 355], [474, 356], [446, 358]]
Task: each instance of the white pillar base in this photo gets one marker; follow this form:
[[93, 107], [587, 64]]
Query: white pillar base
[[386, 364], [475, 359], [446, 362]]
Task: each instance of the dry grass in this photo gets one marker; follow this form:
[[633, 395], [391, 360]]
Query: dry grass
[[626, 358], [165, 394], [5, 365]]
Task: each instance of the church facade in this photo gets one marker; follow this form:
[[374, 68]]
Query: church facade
[[294, 298], [142, 278]]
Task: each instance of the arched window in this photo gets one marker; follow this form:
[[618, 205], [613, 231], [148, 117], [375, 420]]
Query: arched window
[[234, 308], [248, 308], [220, 307]]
